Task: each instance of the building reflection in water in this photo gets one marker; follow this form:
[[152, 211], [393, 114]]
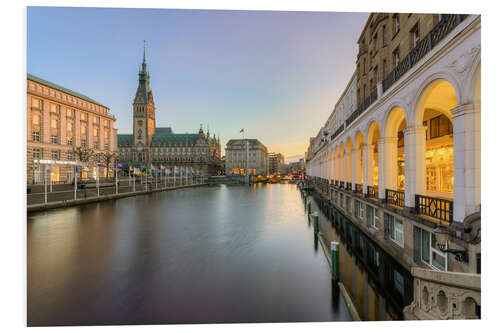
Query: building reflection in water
[[379, 286]]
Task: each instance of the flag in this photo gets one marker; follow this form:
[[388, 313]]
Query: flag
[[242, 130], [131, 168]]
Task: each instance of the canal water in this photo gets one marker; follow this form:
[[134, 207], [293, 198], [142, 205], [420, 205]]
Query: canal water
[[378, 285], [218, 254]]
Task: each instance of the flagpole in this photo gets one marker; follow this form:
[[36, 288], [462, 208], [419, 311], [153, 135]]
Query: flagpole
[[97, 180], [134, 179], [75, 179], [45, 183]]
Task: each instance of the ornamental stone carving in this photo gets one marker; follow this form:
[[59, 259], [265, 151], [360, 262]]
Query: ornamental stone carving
[[464, 62]]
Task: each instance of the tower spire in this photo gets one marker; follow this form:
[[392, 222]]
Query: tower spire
[[144, 54]]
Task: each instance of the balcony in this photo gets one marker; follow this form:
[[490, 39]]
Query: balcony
[[362, 107], [349, 186], [372, 192], [396, 198], [358, 189], [436, 208], [438, 33]]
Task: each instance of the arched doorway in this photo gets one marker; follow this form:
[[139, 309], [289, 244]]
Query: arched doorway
[[434, 113], [358, 159], [371, 155], [394, 150], [349, 150]]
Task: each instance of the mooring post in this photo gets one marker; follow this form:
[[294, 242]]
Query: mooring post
[[309, 207], [334, 247], [316, 225]]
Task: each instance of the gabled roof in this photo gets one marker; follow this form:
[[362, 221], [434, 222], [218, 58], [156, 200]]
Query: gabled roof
[[61, 88]]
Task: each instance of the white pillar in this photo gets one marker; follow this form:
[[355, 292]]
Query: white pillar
[[414, 163], [349, 168], [344, 168], [466, 160], [367, 166], [387, 165], [355, 158]]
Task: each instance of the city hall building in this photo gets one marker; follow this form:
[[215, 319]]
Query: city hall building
[[400, 154], [150, 145], [58, 121]]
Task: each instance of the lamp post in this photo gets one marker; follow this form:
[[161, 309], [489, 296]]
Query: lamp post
[[443, 242]]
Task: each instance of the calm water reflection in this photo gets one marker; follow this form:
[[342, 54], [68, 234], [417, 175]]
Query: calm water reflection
[[209, 255]]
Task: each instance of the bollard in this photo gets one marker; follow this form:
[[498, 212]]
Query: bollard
[[309, 207], [334, 248], [316, 225]]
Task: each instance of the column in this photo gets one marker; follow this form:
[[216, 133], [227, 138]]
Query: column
[[355, 159], [414, 163], [344, 168], [387, 165], [349, 168], [466, 160], [367, 150]]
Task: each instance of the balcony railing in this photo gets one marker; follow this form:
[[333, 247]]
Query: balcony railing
[[437, 208], [342, 184], [441, 29], [362, 107], [358, 188], [349, 186], [336, 183], [337, 132], [372, 192], [396, 198]]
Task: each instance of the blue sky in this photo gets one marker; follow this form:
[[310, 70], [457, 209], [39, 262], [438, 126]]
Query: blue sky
[[277, 74]]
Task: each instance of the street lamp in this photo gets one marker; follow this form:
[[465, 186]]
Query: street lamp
[[443, 243]]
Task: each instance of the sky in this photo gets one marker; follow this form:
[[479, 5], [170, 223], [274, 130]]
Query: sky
[[277, 74]]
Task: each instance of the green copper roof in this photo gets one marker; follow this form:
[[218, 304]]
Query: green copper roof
[[58, 87]]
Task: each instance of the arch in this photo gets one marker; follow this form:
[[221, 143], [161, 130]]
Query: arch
[[372, 132], [348, 162], [432, 91], [433, 164], [393, 120]]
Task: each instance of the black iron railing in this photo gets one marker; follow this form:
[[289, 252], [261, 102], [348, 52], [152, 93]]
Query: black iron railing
[[336, 183], [358, 188], [372, 192], [441, 29], [362, 107], [396, 198], [342, 184], [337, 132], [349, 186], [437, 208]]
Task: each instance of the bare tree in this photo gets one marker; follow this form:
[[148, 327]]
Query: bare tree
[[83, 154]]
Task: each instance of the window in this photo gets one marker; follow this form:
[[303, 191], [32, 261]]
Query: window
[[372, 216], [55, 154], [54, 123], [69, 126], [384, 68], [440, 126], [399, 283], [70, 141], [348, 203], [84, 143], [96, 145], [85, 116], [394, 228], [53, 139], [375, 42], [70, 112], [415, 35], [96, 131], [396, 23], [70, 156], [427, 250], [36, 136], [358, 209], [96, 120], [83, 130], [36, 119], [36, 153], [395, 56]]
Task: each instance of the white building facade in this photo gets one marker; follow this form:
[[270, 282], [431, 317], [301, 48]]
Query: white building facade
[[413, 150]]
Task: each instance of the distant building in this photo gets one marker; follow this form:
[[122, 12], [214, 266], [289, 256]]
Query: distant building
[[276, 162], [58, 121], [236, 157], [151, 145]]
